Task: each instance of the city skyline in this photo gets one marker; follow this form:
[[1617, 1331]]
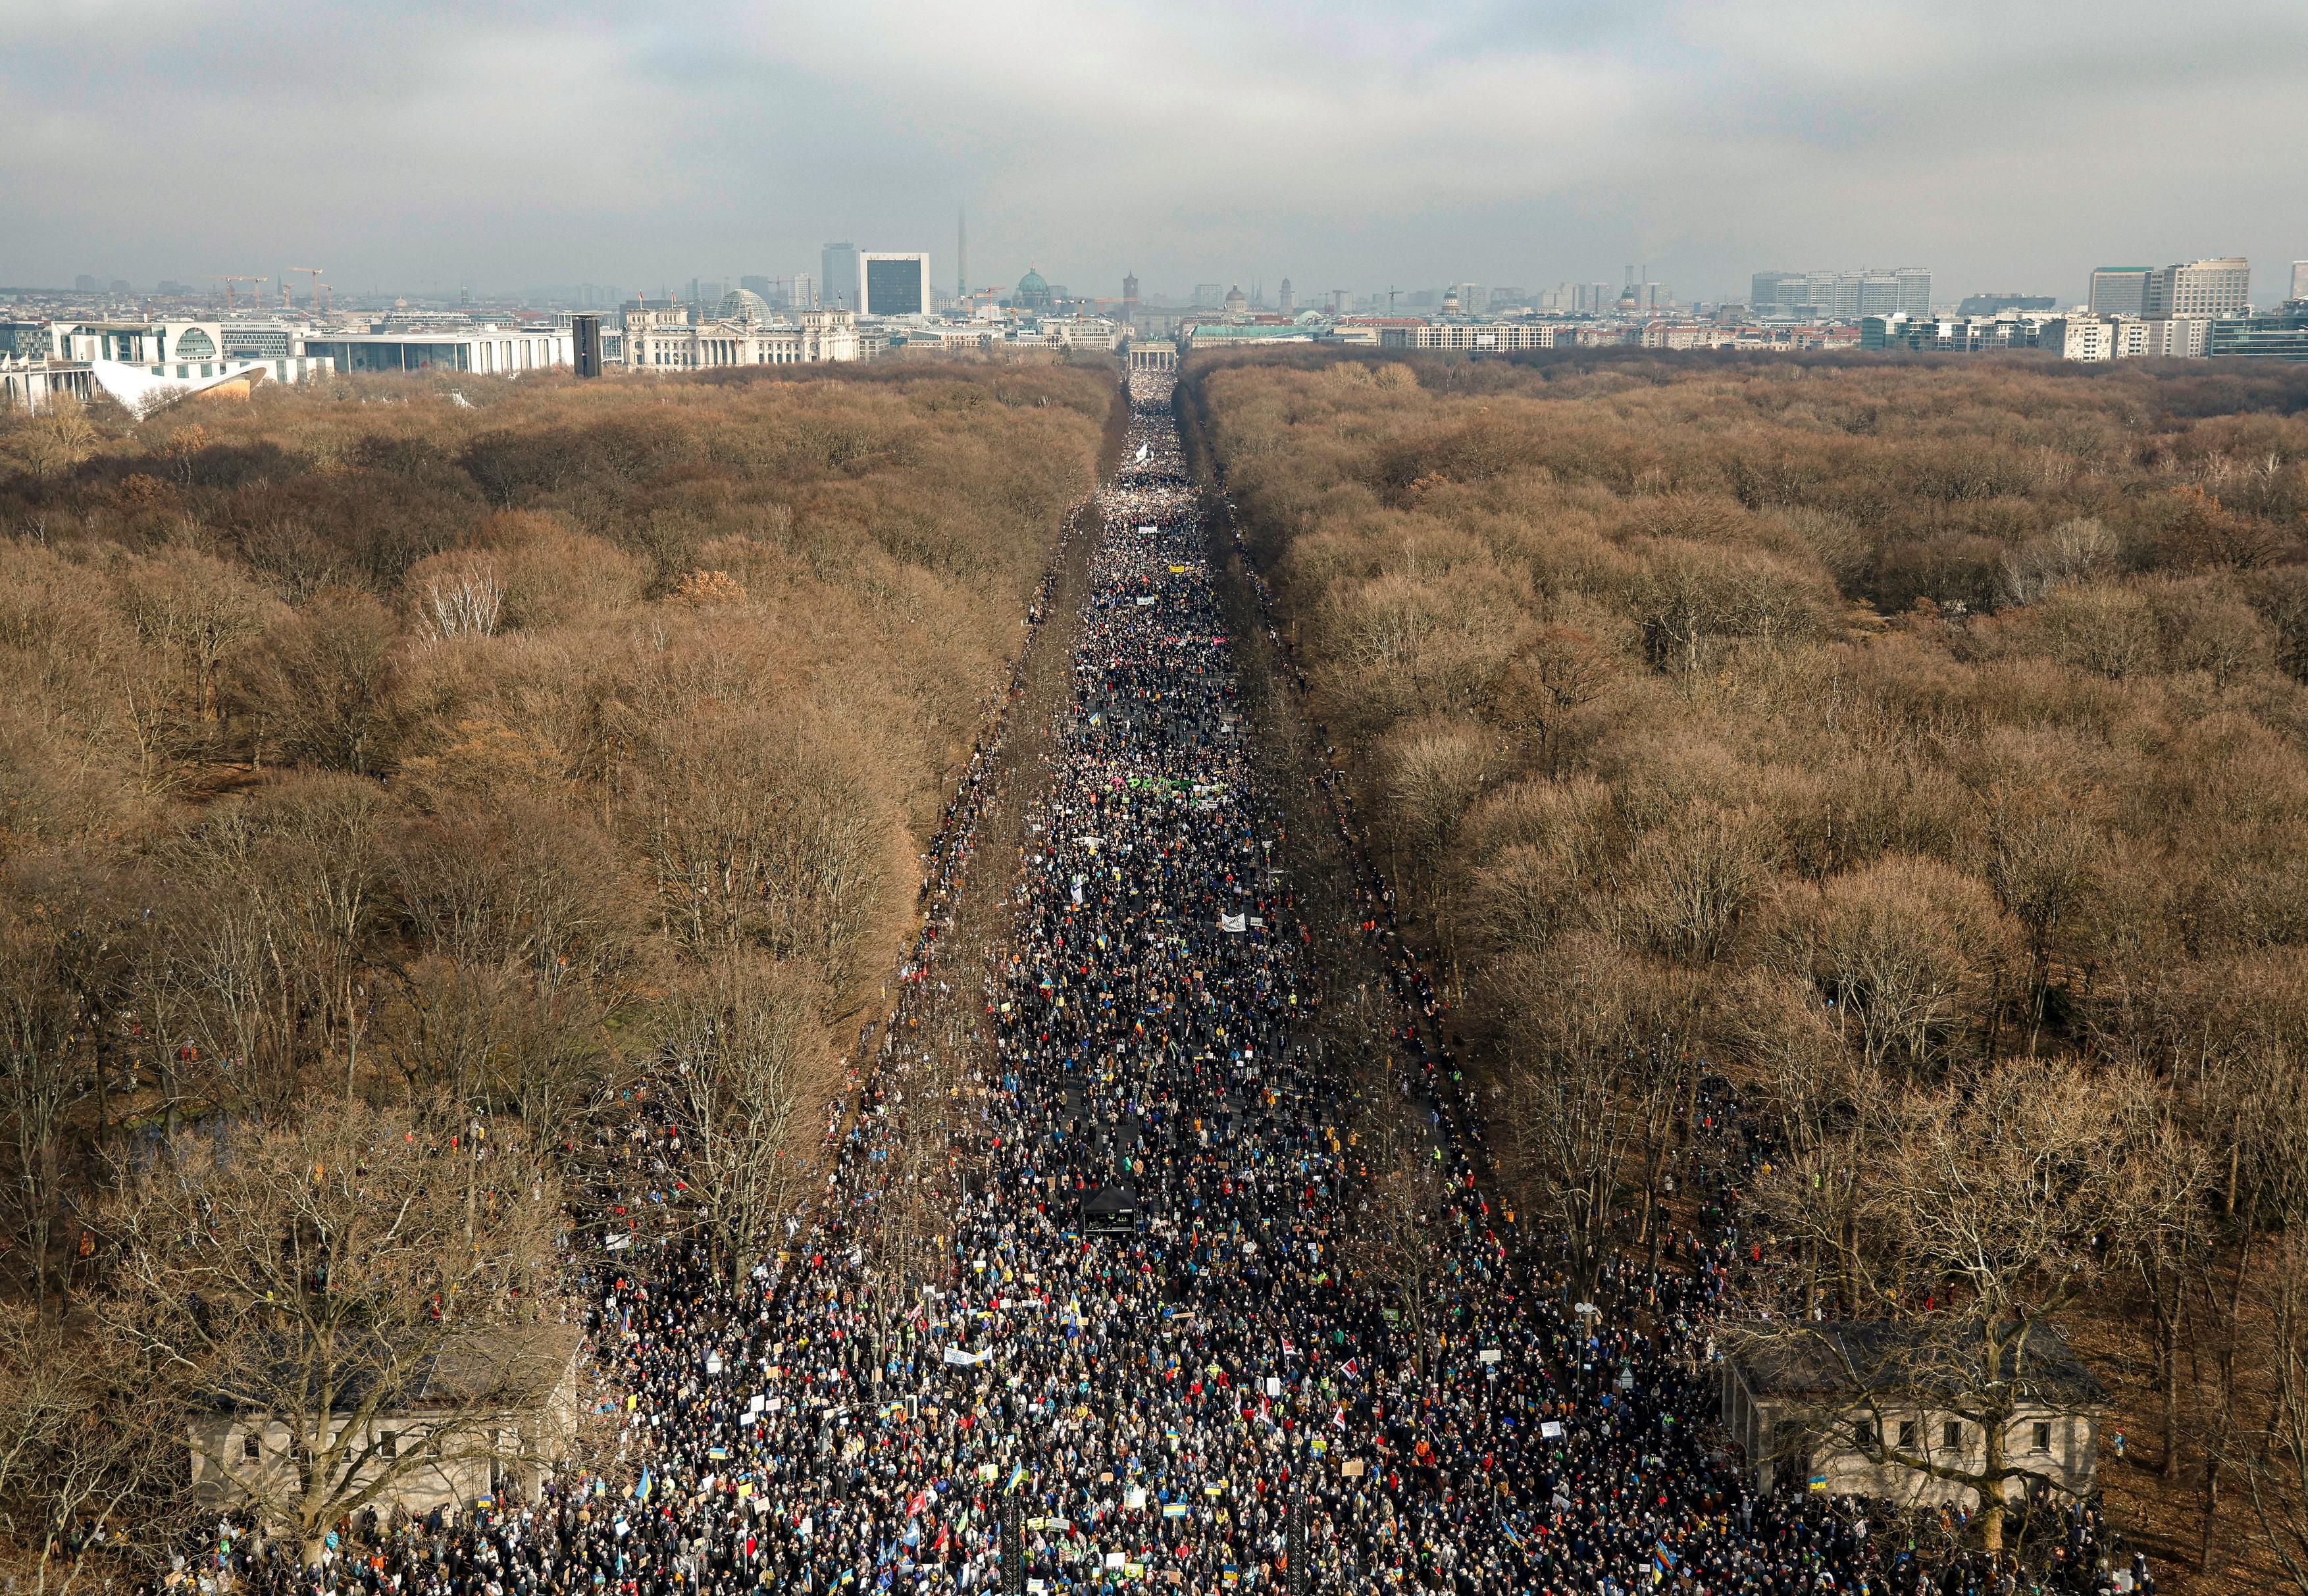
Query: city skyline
[[501, 147]]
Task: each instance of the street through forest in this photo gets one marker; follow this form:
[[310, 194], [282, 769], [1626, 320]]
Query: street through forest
[[1158, 1248]]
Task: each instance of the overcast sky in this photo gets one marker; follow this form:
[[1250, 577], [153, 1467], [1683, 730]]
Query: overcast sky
[[1354, 143]]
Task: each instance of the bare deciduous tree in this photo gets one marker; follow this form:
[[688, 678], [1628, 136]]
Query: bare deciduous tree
[[1987, 1207], [1598, 1049], [312, 1277], [78, 1466], [740, 1045], [1398, 1239]]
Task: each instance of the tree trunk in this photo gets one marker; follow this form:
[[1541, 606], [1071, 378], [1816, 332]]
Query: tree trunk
[[1991, 1487], [2168, 1331], [2211, 1513]]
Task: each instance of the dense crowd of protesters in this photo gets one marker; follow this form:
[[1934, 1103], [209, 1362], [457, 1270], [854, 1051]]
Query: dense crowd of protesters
[[1143, 1357]]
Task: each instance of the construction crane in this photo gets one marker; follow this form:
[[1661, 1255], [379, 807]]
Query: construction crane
[[316, 272], [227, 283]]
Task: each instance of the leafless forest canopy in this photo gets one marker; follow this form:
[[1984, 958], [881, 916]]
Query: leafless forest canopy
[[444, 756], [1922, 747]]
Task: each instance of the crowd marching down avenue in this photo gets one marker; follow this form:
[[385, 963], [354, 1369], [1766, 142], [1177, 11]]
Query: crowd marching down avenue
[[1120, 1328]]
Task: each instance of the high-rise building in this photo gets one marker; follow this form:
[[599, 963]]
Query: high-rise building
[[1207, 296], [837, 277], [1288, 302], [2221, 286], [891, 283], [1130, 294], [2118, 290], [1989, 304], [585, 344], [2300, 280], [1845, 296], [1768, 290]]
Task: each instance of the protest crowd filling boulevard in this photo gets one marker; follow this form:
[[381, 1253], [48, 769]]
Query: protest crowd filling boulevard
[[1139, 1356]]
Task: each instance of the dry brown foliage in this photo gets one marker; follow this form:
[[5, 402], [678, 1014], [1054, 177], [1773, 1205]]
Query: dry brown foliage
[[358, 739], [1878, 732]]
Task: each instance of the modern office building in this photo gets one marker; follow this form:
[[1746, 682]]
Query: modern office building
[[136, 343], [2079, 338], [2118, 290], [497, 352], [2300, 280], [836, 278], [1959, 334], [263, 340], [2163, 338], [2282, 335], [1475, 338], [891, 283], [1989, 304], [2127, 337], [585, 344], [35, 382], [1843, 296], [1766, 290], [2207, 287]]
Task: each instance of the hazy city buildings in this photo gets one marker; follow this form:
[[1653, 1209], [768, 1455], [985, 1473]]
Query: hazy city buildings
[[2128, 338], [1033, 294], [1990, 304], [665, 341], [2209, 287], [1964, 334], [837, 277], [864, 303], [1843, 295], [2279, 335], [489, 351], [892, 283], [2079, 337], [2118, 290]]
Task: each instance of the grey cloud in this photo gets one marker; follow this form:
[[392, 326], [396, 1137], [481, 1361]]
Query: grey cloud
[[1352, 144]]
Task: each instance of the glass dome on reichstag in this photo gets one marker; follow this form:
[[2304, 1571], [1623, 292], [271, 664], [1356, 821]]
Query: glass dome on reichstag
[[743, 304]]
